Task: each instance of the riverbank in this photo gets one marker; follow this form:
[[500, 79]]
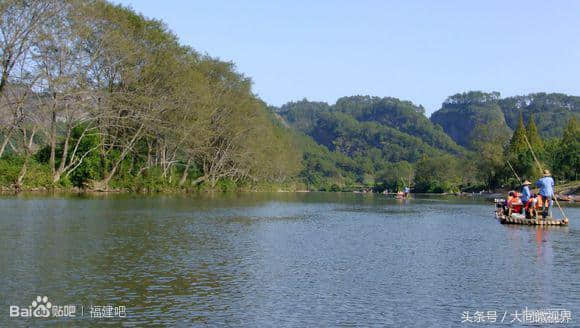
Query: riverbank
[[566, 192], [570, 188], [571, 198]]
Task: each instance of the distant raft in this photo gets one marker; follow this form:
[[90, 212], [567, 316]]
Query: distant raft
[[521, 219]]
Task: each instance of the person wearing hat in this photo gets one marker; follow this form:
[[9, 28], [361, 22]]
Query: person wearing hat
[[526, 194], [546, 185]]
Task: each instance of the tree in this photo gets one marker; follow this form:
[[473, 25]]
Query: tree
[[489, 147], [518, 141], [397, 176], [519, 155], [19, 21], [568, 154], [534, 137], [437, 174], [534, 141]]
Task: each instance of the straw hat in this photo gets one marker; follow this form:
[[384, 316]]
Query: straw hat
[[547, 173], [526, 183]]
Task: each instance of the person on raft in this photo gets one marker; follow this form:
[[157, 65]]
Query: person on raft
[[526, 194], [531, 207], [513, 204], [546, 185], [507, 203]]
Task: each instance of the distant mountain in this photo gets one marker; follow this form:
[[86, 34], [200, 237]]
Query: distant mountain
[[383, 129], [551, 111], [361, 139], [460, 114]]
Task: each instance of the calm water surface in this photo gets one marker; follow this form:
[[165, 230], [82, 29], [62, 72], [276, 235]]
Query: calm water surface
[[280, 260]]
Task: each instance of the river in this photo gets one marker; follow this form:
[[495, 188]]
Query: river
[[279, 260]]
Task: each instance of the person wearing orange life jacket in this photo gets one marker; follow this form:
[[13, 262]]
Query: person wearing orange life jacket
[[507, 202], [515, 204], [531, 207]]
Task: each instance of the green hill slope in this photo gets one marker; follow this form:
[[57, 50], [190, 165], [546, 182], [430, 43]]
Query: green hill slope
[[460, 114], [551, 111], [362, 136]]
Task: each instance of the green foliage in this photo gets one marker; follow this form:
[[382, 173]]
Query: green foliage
[[9, 169], [534, 137], [551, 111], [489, 158], [360, 136], [462, 113], [567, 159], [519, 154], [396, 176], [91, 166], [518, 143], [355, 125], [370, 141], [303, 115], [323, 167], [401, 115], [37, 174], [438, 174], [227, 185]]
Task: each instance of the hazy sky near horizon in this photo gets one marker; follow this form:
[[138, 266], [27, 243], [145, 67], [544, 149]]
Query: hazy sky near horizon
[[423, 51]]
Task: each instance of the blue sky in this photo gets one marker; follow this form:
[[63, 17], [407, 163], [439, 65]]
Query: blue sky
[[421, 51]]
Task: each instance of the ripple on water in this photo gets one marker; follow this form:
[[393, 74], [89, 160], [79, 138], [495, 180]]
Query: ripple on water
[[284, 260]]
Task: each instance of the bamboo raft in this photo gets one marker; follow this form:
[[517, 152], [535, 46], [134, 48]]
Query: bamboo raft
[[520, 219]]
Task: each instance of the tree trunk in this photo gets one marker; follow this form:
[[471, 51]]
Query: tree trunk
[[58, 173], [27, 150], [163, 155], [198, 180], [149, 159], [5, 72], [22, 173], [52, 160], [104, 184], [5, 142], [185, 173]]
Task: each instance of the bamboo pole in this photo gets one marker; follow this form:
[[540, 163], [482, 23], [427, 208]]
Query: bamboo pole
[[514, 171], [542, 170]]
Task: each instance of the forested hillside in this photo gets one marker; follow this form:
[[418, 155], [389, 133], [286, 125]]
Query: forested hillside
[[365, 136], [551, 111], [361, 125], [462, 114], [365, 141]]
